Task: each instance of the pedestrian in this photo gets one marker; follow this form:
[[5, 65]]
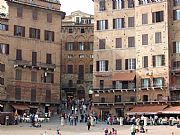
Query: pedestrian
[[88, 123], [114, 131], [132, 130]]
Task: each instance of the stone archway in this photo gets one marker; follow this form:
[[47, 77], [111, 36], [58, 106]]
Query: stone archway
[[81, 92]]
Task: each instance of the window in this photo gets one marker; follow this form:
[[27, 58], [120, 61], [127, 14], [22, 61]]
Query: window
[[145, 61], [48, 58], [131, 42], [34, 33], [4, 48], [102, 5], [69, 46], [176, 14], [145, 98], [34, 58], [70, 83], [130, 3], [19, 31], [70, 30], [18, 74], [130, 21], [81, 46], [118, 23], [81, 72], [158, 38], [176, 64], [3, 27], [145, 18], [145, 83], [117, 98], [145, 39], [158, 16], [118, 42], [2, 67], [101, 84], [70, 56], [176, 47], [33, 76], [81, 56], [118, 4], [48, 77], [157, 82], [176, 2], [49, 35], [77, 20], [82, 30], [118, 64], [102, 24], [18, 93], [1, 81], [49, 18], [102, 65], [48, 96], [102, 43], [34, 14], [91, 56], [130, 64], [158, 60], [19, 11], [70, 69], [91, 68], [91, 45], [18, 54], [33, 94]]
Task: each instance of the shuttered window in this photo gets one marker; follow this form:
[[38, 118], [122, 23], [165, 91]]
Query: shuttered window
[[49, 35], [118, 42], [2, 67], [18, 93], [118, 23], [118, 4], [158, 60], [145, 39], [102, 43], [19, 11], [145, 61], [130, 21], [4, 27], [18, 54], [1, 81], [145, 18], [102, 65], [34, 58], [48, 96], [158, 16], [118, 64], [33, 76], [176, 47], [131, 42], [102, 5], [48, 58], [102, 24], [18, 74], [158, 37], [70, 69], [34, 14], [49, 18], [33, 94]]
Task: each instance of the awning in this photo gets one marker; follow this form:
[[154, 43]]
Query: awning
[[171, 110], [123, 76], [20, 107], [140, 110]]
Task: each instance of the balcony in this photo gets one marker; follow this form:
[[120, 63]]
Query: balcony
[[145, 2], [176, 70], [175, 88], [29, 64], [112, 89]]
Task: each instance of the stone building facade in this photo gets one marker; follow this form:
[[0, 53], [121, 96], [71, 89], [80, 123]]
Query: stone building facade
[[77, 55], [30, 37], [136, 60]]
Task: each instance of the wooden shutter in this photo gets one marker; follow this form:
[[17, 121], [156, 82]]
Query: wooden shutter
[[174, 47], [2, 67], [38, 33], [118, 64], [18, 93], [154, 17], [106, 64], [118, 42], [145, 39], [114, 23], [15, 29], [114, 4], [34, 58], [23, 31], [163, 60], [126, 64], [98, 25], [1, 81], [97, 65], [33, 94], [174, 15], [106, 24], [154, 61], [7, 49]]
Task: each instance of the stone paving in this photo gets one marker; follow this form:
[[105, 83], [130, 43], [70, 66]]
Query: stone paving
[[81, 129]]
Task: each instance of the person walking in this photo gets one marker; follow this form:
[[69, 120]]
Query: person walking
[[132, 130], [88, 123]]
